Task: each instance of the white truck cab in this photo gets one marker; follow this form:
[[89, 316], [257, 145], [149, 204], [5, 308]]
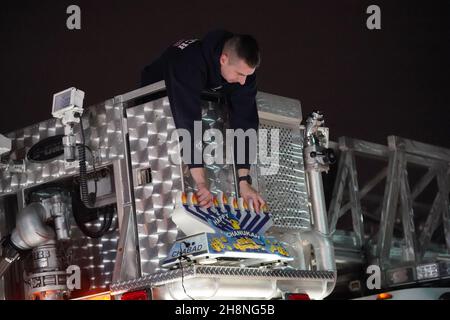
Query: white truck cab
[[411, 294]]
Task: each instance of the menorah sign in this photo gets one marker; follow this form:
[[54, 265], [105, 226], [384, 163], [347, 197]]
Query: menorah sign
[[229, 230], [225, 215]]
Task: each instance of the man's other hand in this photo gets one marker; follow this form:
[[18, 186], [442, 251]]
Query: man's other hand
[[247, 192], [204, 196]]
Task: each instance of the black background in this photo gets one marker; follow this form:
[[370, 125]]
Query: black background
[[369, 83]]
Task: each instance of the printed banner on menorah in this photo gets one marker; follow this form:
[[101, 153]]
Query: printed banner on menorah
[[232, 216]]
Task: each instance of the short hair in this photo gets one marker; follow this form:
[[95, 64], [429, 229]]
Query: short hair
[[245, 47]]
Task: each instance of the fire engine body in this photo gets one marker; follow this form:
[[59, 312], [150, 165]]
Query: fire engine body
[[141, 228]]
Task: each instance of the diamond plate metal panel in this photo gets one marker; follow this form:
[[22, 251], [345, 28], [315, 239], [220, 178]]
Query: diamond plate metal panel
[[285, 191], [162, 278], [103, 133], [96, 257], [278, 105], [150, 127]]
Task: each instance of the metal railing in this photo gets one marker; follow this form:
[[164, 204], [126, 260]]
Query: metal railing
[[399, 198]]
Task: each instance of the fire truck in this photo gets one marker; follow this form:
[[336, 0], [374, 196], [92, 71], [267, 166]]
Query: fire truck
[[96, 203]]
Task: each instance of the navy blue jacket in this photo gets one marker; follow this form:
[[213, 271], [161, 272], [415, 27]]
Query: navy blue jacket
[[192, 66]]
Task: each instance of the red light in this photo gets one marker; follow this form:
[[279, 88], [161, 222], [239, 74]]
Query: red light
[[298, 296], [96, 296], [135, 295], [384, 296]]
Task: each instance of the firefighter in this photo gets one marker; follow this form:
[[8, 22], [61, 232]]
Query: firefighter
[[221, 61]]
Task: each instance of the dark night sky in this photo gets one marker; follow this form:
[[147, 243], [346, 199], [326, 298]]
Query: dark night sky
[[370, 84]]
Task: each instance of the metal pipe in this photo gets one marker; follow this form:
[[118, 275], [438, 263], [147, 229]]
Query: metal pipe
[[69, 143], [31, 230], [319, 237], [323, 249], [318, 205], [59, 209], [8, 257]]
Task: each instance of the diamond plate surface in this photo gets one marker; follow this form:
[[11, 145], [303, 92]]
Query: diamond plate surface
[[162, 278], [279, 105], [150, 127], [95, 257], [103, 133], [285, 191]]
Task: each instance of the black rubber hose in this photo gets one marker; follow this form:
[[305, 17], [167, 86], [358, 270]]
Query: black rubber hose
[[108, 218], [79, 209], [88, 201], [83, 180]]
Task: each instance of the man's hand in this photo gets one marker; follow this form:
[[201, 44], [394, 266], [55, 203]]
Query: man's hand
[[247, 192], [203, 194]]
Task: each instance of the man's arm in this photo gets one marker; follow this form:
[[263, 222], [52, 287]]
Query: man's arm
[[203, 194], [185, 78], [244, 115]]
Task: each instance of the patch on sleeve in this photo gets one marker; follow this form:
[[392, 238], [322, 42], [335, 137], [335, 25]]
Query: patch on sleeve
[[182, 44]]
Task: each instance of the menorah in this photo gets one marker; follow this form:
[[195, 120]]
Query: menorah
[[230, 230]]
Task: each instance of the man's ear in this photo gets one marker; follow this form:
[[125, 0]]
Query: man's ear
[[223, 59]]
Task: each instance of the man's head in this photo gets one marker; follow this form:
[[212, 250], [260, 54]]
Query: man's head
[[239, 59]]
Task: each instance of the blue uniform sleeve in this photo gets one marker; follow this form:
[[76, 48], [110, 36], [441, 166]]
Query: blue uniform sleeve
[[244, 115], [185, 80]]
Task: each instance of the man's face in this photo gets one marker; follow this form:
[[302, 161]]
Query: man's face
[[234, 70]]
